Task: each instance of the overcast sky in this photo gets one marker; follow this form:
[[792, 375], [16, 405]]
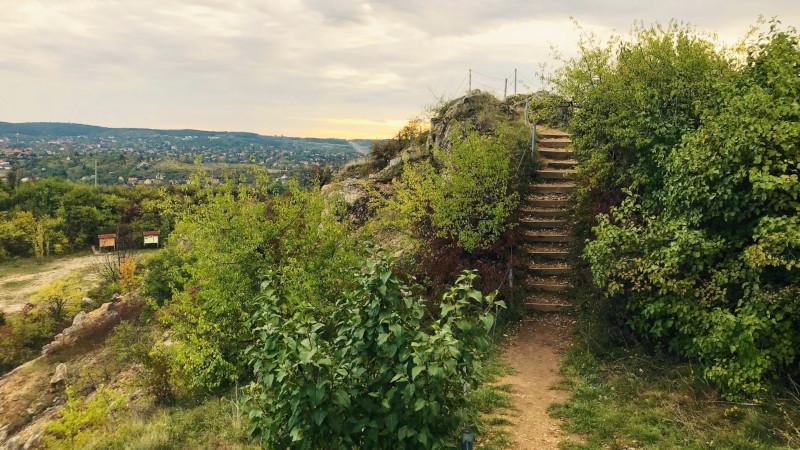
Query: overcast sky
[[299, 67]]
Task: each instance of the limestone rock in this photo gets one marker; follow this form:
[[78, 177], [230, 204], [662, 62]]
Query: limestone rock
[[87, 302], [94, 323], [78, 319], [476, 108], [60, 375]]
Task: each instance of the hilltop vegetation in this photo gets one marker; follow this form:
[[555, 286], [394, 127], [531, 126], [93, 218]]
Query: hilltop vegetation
[[331, 324]]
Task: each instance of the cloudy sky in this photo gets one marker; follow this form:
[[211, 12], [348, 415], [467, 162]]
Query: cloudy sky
[[299, 67]]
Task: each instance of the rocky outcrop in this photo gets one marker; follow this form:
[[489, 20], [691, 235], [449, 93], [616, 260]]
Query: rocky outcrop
[[479, 109], [94, 323], [32, 394], [356, 196], [60, 375]]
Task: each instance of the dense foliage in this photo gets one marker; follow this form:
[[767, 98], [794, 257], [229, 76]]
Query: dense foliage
[[377, 373], [235, 239], [465, 194], [703, 251], [54, 216]]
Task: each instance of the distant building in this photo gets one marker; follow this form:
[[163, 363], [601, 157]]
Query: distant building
[[132, 180], [5, 165]]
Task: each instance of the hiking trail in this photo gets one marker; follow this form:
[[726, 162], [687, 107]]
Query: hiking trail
[[535, 352]]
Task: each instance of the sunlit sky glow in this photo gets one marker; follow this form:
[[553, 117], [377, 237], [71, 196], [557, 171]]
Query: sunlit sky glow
[[303, 68]]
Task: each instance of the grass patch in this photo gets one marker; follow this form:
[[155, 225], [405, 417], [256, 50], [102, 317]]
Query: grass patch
[[490, 407], [627, 397], [213, 424]]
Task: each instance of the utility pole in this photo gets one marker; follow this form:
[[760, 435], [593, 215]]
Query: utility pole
[[505, 90], [515, 81], [470, 81]]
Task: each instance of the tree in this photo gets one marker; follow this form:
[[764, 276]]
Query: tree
[[714, 271]]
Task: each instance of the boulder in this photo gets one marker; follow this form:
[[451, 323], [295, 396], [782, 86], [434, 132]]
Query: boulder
[[60, 374], [76, 321]]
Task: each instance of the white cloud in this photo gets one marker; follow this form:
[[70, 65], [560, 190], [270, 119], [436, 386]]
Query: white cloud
[[277, 66]]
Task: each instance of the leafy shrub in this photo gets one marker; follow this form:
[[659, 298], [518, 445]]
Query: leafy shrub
[[633, 101], [713, 270], [235, 240], [466, 195], [78, 416], [130, 343], [164, 275], [375, 374]]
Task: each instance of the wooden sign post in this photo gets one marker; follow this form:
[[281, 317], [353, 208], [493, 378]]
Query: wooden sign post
[[151, 237], [107, 241]]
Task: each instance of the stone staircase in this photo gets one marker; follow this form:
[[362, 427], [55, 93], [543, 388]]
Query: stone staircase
[[545, 216]]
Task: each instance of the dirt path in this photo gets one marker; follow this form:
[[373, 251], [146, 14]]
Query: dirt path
[[16, 286], [535, 356]]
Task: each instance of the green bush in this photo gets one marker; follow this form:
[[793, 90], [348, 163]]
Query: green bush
[[235, 239], [79, 417], [633, 101], [378, 373], [466, 194], [130, 343], [164, 275], [714, 268]]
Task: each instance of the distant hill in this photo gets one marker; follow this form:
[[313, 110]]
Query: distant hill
[[59, 129]]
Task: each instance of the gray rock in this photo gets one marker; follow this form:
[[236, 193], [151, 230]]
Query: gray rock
[[60, 375], [78, 319], [34, 440], [87, 302]]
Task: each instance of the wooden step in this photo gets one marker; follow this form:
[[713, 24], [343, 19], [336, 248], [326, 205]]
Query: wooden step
[[561, 142], [533, 203], [533, 213], [548, 307], [550, 133], [556, 188], [544, 236], [532, 222], [548, 255], [568, 164], [549, 269], [555, 153], [555, 174], [549, 287]]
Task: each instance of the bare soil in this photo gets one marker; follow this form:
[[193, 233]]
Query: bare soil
[[18, 284], [535, 357]]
